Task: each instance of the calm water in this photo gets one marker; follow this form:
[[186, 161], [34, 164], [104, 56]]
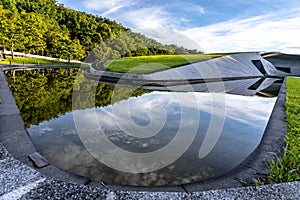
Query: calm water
[[113, 132]]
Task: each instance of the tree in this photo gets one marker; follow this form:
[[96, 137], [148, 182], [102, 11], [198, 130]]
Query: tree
[[9, 28], [75, 50], [35, 27], [45, 27], [9, 5]]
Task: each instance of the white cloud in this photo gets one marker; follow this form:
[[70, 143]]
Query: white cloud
[[277, 32], [107, 6], [155, 21], [191, 8], [166, 36], [145, 14], [249, 109], [150, 17]]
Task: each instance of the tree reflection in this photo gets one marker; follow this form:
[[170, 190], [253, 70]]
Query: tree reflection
[[44, 94]]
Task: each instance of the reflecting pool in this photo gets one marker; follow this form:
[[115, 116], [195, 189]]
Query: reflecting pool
[[131, 136]]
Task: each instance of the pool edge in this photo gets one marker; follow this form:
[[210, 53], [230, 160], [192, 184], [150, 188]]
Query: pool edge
[[236, 178]]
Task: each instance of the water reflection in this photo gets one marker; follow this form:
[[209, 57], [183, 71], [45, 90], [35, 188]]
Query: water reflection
[[245, 87], [57, 138], [246, 119]]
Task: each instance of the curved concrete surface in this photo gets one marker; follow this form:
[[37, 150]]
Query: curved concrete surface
[[234, 66], [230, 66], [285, 62], [243, 74]]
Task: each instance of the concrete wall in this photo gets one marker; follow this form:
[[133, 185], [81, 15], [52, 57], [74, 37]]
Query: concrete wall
[[234, 66], [286, 61], [230, 66]]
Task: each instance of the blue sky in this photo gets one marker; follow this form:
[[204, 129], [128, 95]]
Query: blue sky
[[209, 25]]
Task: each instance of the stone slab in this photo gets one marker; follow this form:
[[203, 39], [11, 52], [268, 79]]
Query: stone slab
[[38, 160]]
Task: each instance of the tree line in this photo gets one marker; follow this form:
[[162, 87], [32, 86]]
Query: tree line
[[45, 27]]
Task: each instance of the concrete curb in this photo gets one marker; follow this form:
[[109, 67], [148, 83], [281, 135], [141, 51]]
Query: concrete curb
[[18, 181]]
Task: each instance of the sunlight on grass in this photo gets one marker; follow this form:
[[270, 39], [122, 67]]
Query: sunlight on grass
[[148, 64], [23, 60], [287, 167]]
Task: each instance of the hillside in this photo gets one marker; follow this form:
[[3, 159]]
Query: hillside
[[47, 28]]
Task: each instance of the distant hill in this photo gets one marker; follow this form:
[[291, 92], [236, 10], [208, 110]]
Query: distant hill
[[44, 27]]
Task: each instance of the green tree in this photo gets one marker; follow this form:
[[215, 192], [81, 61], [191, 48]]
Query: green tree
[[9, 5], [34, 27], [75, 50], [10, 31], [45, 27]]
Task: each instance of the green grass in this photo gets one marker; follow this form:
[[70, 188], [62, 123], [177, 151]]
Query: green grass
[[148, 64], [287, 167], [23, 60]]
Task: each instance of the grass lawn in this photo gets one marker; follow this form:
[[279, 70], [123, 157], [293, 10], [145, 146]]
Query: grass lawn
[[287, 168], [148, 64], [23, 60]]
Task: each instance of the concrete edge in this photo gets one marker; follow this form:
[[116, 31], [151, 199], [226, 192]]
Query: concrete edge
[[14, 185], [282, 90]]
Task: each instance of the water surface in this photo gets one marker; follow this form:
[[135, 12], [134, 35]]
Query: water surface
[[141, 122]]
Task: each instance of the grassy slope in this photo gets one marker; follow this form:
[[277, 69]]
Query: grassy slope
[[22, 60], [287, 168], [147, 64]]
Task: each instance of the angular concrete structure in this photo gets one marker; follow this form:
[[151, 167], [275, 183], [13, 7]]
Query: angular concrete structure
[[230, 67], [245, 87], [285, 63], [245, 74]]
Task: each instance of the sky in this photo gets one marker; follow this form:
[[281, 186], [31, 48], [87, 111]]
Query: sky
[[207, 25]]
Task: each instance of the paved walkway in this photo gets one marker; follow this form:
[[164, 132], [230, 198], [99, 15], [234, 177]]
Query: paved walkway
[[18, 181]]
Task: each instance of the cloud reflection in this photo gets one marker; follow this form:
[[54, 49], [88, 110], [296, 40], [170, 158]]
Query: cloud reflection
[[246, 119]]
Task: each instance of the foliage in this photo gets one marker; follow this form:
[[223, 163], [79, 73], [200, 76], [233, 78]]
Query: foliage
[[44, 94], [287, 167], [45, 27], [41, 94]]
